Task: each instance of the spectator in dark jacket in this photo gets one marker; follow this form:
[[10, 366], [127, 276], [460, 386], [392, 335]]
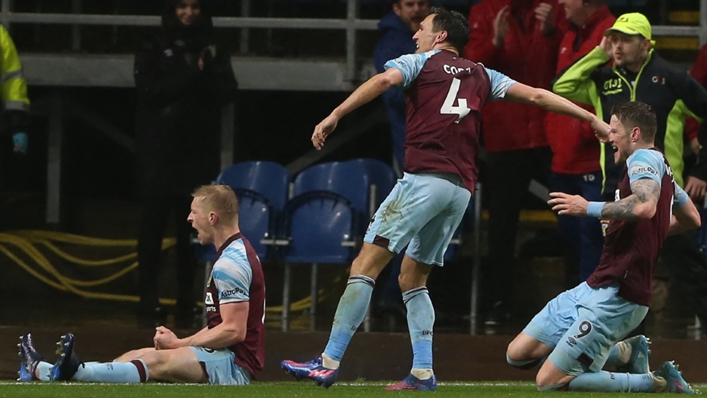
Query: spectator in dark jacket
[[182, 78]]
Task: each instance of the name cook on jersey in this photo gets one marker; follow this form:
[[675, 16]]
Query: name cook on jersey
[[453, 70]]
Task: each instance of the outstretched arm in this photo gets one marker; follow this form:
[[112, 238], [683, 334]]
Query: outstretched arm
[[366, 92], [640, 205], [549, 101]]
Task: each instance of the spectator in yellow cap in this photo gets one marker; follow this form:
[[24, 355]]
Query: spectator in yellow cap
[[640, 74], [628, 42]]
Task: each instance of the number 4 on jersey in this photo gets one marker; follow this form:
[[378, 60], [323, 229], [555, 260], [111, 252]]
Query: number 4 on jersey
[[448, 107]]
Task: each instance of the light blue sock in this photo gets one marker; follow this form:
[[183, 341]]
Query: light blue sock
[[612, 382], [421, 319], [113, 372], [43, 370], [349, 314]]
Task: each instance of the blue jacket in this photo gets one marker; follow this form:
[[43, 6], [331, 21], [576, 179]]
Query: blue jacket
[[396, 41]]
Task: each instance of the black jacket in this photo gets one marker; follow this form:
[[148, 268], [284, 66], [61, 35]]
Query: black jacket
[[179, 105]]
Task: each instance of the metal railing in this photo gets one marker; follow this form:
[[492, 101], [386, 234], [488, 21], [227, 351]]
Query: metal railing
[[351, 24]]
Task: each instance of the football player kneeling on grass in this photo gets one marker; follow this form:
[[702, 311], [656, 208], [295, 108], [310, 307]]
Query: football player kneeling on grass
[[583, 329]]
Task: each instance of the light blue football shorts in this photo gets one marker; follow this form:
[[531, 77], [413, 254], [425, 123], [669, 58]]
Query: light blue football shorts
[[423, 210], [220, 366], [582, 324]]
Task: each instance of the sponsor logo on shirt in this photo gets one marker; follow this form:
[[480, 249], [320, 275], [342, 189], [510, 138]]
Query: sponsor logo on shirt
[[232, 292], [642, 170]]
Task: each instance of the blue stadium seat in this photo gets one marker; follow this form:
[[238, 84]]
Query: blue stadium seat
[[324, 221], [268, 179], [262, 189], [321, 228], [343, 178]]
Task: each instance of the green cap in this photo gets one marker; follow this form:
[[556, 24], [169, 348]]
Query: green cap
[[633, 23]]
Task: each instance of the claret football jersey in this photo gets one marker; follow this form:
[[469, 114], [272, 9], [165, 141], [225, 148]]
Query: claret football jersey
[[237, 276], [445, 95], [631, 247]]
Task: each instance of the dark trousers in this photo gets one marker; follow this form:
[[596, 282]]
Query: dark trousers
[[687, 264], [509, 174], [155, 217], [582, 235]]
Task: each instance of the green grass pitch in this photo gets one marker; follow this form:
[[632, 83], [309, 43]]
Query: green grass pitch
[[286, 390]]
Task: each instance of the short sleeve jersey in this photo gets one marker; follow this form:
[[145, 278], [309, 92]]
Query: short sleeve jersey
[[237, 276], [631, 247], [444, 95]]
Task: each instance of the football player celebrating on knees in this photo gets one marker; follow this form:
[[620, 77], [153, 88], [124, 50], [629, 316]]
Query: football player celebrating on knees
[[581, 330], [445, 94], [230, 350]]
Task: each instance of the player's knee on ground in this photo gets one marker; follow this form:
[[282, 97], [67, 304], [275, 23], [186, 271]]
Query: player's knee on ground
[[523, 363], [545, 382], [517, 355], [556, 387]]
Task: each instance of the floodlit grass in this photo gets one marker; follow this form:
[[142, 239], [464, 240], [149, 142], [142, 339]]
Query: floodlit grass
[[285, 390]]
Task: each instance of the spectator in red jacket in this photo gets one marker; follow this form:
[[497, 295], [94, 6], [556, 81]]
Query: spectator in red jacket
[[575, 149], [518, 38]]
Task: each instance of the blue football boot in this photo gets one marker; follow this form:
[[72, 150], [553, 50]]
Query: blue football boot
[[413, 383], [675, 383], [68, 363], [312, 370], [30, 358]]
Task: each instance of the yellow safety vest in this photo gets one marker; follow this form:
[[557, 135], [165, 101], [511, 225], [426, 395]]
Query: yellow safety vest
[[12, 83]]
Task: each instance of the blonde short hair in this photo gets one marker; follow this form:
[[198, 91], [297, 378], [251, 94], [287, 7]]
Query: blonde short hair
[[220, 199]]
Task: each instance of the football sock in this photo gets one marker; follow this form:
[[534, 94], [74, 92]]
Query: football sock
[[349, 314], [43, 370], [422, 374], [612, 382], [113, 372], [421, 319], [329, 363], [620, 354]]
